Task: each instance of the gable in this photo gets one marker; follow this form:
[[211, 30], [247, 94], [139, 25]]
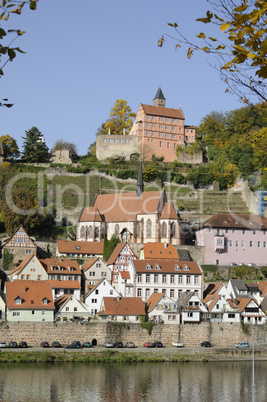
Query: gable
[[20, 238]]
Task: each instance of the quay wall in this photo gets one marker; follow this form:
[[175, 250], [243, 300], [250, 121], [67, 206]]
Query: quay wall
[[219, 334]]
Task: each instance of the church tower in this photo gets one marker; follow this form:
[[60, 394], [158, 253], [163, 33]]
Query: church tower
[[159, 99]]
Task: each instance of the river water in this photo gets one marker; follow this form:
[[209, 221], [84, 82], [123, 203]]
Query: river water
[[220, 382]]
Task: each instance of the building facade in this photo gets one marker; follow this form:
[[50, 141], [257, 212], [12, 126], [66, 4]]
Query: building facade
[[234, 239], [161, 129]]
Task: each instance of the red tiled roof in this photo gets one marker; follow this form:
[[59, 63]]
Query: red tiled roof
[[124, 306], [89, 263], [154, 300], [117, 250], [32, 294], [66, 264], [167, 266], [160, 251], [214, 298], [125, 274], [163, 111], [168, 212], [123, 207], [64, 284], [263, 288], [90, 214], [84, 247], [238, 221]]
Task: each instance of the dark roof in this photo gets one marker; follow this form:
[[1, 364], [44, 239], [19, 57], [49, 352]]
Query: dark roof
[[237, 221], [159, 95], [163, 111]]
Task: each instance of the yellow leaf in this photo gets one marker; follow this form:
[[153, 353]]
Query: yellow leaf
[[225, 26], [201, 35], [213, 39], [227, 90], [189, 52]]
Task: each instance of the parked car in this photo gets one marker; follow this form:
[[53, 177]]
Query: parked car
[[129, 345], [177, 345], [149, 345], [44, 344], [3, 345], [23, 344], [242, 345], [118, 345], [86, 345], [108, 344], [74, 345], [158, 344], [56, 344], [13, 345], [205, 344]]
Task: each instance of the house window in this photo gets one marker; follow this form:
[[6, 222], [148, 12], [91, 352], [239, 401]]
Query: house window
[[32, 311], [111, 292], [160, 144], [44, 301], [259, 243], [147, 292], [233, 231], [16, 313], [217, 262], [254, 232], [231, 315], [18, 300], [156, 278], [97, 291], [43, 312], [180, 279], [168, 145], [67, 309], [242, 243], [172, 278], [187, 279], [164, 279], [236, 243], [172, 293], [264, 244], [156, 290], [139, 292], [190, 314], [75, 309], [196, 280], [147, 278], [103, 274], [250, 244], [139, 278]]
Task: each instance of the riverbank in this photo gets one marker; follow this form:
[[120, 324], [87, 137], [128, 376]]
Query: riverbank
[[137, 355]]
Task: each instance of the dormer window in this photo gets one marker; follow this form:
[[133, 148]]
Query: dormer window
[[148, 266], [78, 248], [18, 300], [177, 268], [45, 301], [54, 268], [61, 268], [186, 268], [71, 269], [157, 267]]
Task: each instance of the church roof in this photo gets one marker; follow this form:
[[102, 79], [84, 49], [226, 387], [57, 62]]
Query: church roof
[[124, 207], [159, 95], [168, 212], [90, 214], [163, 111]]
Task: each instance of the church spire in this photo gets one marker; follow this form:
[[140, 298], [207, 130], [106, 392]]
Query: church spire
[[140, 184]]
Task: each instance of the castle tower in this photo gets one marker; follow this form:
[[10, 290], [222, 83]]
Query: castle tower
[[159, 99]]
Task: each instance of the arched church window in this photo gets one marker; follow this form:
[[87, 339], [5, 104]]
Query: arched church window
[[172, 229], [90, 232], [148, 228], [82, 232], [97, 232], [164, 229], [117, 230], [138, 229]]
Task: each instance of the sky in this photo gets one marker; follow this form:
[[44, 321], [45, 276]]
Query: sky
[[82, 56]]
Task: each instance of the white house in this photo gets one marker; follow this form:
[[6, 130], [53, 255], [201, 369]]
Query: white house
[[68, 307], [60, 288], [171, 277], [192, 309], [120, 260], [30, 269], [162, 308], [94, 297]]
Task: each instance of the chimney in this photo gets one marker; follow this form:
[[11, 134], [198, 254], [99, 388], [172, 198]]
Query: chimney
[[165, 244]]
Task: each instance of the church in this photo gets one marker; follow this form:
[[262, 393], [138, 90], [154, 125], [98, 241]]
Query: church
[[134, 217]]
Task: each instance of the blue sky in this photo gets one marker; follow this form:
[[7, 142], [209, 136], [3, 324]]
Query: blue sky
[[82, 56]]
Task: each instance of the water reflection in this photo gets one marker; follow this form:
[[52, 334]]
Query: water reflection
[[222, 381]]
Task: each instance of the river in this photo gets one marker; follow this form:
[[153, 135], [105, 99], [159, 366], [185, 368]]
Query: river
[[184, 382]]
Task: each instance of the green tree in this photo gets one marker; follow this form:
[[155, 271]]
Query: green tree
[[8, 53], [34, 147], [121, 118], [242, 54], [7, 259], [259, 144], [10, 147], [64, 145], [109, 246]]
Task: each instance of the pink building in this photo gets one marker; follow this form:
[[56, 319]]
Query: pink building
[[234, 239], [161, 129]]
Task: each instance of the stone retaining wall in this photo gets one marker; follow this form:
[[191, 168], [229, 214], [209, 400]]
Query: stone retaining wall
[[219, 334]]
